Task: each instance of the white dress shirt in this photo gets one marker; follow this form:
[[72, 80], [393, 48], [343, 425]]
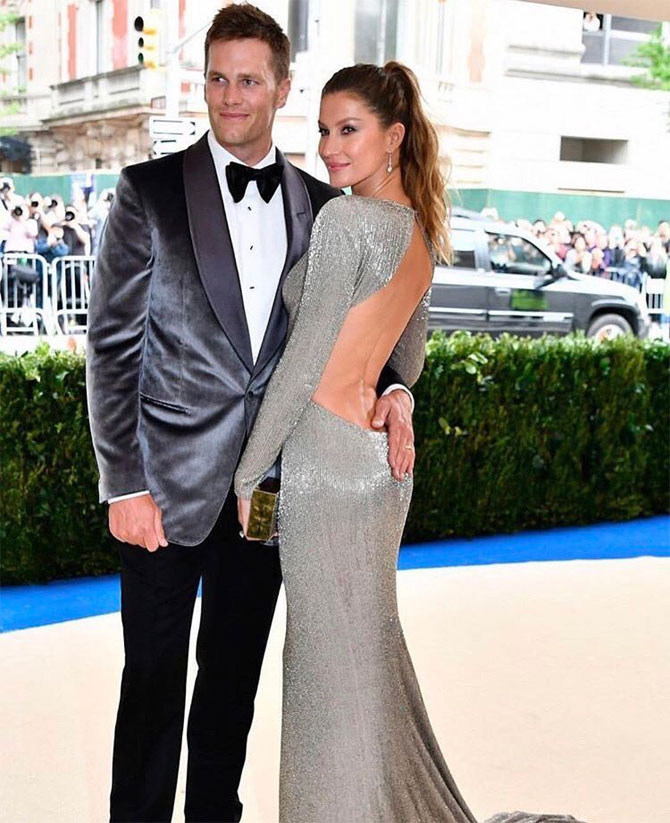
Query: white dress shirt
[[258, 235]]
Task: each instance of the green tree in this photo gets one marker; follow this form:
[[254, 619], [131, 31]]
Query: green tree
[[654, 56], [6, 49]]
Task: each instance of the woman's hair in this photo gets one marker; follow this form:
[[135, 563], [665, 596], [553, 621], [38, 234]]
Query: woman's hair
[[246, 22], [392, 94]]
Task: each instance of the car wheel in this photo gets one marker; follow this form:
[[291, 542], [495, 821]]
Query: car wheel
[[609, 326]]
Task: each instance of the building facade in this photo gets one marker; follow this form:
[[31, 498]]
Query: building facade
[[527, 97]]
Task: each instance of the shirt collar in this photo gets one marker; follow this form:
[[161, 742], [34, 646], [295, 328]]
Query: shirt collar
[[222, 156]]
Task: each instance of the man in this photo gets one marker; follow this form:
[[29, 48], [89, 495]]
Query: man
[[186, 327]]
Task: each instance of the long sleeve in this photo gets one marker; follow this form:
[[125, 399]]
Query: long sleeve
[[409, 354], [333, 262], [117, 321]]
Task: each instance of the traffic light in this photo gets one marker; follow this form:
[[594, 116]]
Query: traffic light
[[148, 42]]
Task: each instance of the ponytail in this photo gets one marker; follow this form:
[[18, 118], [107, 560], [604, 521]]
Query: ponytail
[[393, 94]]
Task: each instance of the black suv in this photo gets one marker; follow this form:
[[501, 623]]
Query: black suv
[[505, 280]]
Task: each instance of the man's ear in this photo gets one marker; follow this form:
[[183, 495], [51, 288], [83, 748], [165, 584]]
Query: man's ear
[[282, 92]]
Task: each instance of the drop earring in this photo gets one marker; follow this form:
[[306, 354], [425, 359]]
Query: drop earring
[[389, 165]]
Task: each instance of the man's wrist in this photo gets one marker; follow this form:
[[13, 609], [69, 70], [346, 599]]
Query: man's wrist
[[128, 496], [400, 387]]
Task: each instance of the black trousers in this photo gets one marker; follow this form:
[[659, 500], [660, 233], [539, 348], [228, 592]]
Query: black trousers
[[240, 584]]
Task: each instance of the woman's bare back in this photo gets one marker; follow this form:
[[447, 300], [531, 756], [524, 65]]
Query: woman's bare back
[[369, 334]]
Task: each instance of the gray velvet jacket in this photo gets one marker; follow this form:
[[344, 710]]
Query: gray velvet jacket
[[172, 387]]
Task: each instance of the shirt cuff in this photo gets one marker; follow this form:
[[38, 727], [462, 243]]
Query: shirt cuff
[[395, 386], [128, 496]]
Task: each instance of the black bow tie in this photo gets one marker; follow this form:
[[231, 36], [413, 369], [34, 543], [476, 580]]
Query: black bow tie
[[267, 179]]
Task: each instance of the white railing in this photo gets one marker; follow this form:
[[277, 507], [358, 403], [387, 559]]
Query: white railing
[[71, 278], [38, 297], [55, 299], [26, 298]]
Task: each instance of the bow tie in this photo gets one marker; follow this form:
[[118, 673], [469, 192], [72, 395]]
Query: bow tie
[[267, 179]]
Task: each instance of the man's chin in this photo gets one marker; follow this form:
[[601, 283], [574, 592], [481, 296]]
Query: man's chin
[[230, 137]]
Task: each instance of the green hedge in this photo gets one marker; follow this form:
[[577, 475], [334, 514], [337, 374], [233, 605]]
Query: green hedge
[[512, 434], [517, 433]]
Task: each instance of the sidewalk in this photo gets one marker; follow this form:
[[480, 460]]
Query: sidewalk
[[547, 683]]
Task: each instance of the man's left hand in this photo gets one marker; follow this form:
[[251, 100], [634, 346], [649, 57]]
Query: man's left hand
[[394, 411]]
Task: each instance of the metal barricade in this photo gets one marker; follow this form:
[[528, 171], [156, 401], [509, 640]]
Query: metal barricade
[[71, 287], [654, 289], [629, 277], [26, 299]]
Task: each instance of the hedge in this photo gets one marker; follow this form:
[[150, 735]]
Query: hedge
[[512, 434]]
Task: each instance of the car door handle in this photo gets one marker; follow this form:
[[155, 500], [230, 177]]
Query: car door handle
[[502, 290]]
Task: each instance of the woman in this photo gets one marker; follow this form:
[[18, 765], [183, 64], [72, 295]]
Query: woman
[[356, 741], [578, 258]]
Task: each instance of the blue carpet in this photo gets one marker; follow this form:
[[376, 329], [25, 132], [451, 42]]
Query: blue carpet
[[22, 607]]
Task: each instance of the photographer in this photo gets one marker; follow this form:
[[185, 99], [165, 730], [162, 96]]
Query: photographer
[[98, 216], [21, 231], [8, 199], [44, 222], [54, 209], [76, 232]]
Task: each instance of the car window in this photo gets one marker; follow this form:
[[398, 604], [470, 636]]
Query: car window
[[514, 255], [463, 247]]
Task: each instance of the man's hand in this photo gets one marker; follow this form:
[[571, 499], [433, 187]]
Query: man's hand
[[139, 521], [394, 410]]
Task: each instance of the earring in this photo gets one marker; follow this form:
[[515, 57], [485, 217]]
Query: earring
[[389, 165]]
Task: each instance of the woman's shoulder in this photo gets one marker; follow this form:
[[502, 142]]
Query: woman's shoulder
[[356, 214]]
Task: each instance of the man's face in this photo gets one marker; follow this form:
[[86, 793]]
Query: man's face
[[242, 96]]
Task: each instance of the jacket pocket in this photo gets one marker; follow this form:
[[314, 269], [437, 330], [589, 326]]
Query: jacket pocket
[[147, 398]]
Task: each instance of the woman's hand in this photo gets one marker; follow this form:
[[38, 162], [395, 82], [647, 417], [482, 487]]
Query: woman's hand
[[394, 411]]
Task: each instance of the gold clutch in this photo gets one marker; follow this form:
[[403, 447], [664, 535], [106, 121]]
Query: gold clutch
[[263, 512]]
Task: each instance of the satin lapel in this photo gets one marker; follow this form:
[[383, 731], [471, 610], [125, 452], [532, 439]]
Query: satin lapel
[[213, 248], [299, 219]]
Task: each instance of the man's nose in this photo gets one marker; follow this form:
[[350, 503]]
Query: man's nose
[[231, 95]]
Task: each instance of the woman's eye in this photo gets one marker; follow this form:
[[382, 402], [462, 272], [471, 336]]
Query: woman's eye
[[323, 132], [348, 129]]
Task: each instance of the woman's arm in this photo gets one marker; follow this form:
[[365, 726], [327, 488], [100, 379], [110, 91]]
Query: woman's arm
[[409, 354], [332, 267]]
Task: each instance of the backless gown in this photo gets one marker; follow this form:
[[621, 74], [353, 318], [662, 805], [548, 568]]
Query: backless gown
[[357, 745]]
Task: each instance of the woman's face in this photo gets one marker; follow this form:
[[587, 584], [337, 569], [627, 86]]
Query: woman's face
[[354, 146]]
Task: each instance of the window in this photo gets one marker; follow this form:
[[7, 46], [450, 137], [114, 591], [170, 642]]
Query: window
[[587, 150], [99, 36], [376, 31], [298, 26], [463, 247], [615, 40], [510, 254], [21, 60]]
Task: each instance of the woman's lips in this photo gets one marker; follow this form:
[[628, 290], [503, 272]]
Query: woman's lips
[[336, 166]]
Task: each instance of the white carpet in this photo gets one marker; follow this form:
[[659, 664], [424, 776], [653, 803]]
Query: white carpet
[[548, 685]]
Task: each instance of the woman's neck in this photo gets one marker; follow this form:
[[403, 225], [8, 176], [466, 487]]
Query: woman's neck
[[388, 188]]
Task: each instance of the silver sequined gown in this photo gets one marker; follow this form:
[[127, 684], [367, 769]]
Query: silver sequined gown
[[357, 746]]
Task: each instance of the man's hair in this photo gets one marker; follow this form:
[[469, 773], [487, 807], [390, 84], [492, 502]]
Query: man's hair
[[246, 22]]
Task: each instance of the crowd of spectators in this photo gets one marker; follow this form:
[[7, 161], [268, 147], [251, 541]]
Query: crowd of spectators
[[49, 227], [627, 253]]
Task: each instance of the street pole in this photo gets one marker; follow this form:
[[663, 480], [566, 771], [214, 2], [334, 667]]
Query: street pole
[[174, 47], [312, 135]]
